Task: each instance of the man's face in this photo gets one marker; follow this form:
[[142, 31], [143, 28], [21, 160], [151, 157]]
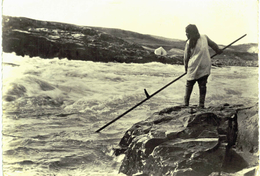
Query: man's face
[[188, 35]]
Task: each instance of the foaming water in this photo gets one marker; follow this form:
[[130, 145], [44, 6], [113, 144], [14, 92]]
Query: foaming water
[[52, 108]]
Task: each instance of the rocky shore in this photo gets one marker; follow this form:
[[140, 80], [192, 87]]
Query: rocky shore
[[50, 39], [31, 37], [190, 141], [175, 141]]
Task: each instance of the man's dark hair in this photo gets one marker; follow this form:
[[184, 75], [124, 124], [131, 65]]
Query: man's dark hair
[[193, 36]]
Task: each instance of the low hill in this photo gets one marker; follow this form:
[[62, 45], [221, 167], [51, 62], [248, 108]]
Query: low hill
[[154, 42], [150, 41], [46, 39], [31, 37]]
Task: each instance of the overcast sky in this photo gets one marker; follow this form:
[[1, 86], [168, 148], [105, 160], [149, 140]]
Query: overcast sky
[[222, 20]]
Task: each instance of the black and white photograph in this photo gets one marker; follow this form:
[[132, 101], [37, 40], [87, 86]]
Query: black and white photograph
[[130, 88]]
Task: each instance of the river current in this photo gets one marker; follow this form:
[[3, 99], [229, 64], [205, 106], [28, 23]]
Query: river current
[[52, 108]]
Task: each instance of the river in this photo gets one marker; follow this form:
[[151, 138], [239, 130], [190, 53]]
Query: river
[[52, 108]]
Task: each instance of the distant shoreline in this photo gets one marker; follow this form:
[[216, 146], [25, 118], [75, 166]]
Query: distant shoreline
[[45, 39]]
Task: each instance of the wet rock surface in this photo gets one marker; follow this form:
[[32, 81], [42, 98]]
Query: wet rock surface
[[248, 130], [187, 141]]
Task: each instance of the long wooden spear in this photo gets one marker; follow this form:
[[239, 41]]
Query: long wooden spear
[[150, 96]]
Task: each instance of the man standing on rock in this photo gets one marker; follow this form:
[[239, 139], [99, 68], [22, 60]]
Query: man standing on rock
[[197, 62]]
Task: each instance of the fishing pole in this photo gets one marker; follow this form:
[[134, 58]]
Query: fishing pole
[[229, 45], [150, 96]]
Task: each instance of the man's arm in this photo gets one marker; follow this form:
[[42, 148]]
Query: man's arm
[[186, 57], [214, 46]]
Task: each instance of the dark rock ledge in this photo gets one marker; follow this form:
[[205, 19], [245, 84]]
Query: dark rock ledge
[[190, 141], [30, 37]]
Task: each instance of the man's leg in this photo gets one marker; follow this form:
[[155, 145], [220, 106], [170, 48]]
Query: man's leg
[[189, 87], [203, 90]]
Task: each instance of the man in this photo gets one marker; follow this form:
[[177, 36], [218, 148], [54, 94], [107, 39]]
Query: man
[[197, 62]]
